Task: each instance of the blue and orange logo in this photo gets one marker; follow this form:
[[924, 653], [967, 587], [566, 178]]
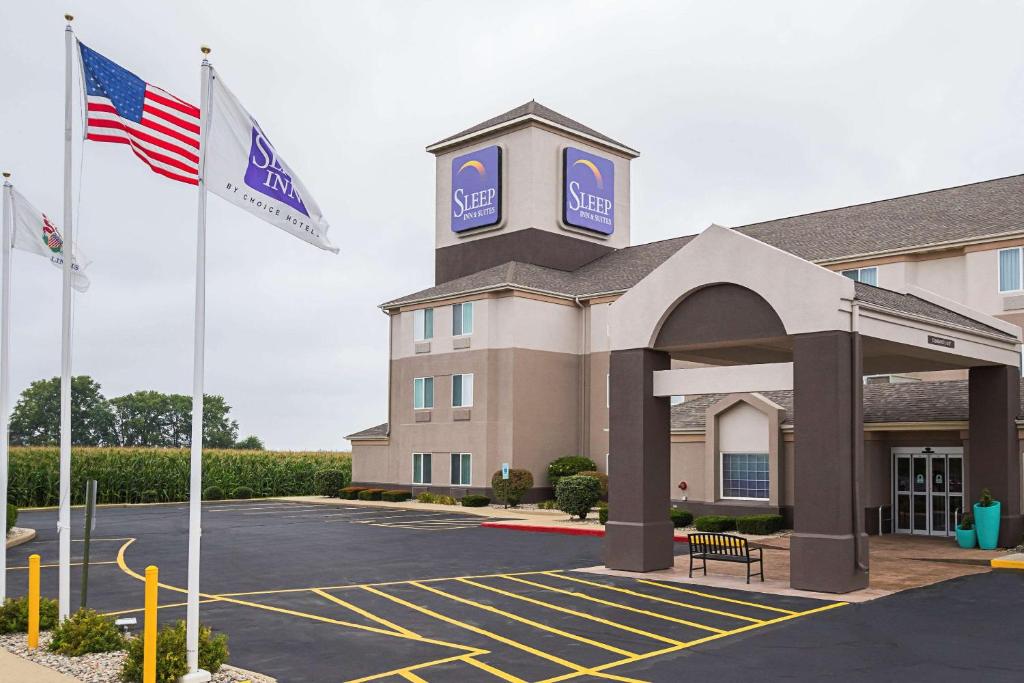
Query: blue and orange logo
[[476, 189]]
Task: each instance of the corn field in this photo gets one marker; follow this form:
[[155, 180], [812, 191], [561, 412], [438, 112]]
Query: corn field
[[124, 474]]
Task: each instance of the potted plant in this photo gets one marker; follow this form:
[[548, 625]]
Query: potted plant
[[986, 519], [966, 536]]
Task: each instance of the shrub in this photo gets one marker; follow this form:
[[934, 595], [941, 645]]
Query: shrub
[[602, 479], [680, 518], [149, 496], [330, 482], [510, 491], [568, 465], [761, 525], [213, 493], [12, 517], [474, 500], [986, 499], [967, 522], [396, 496], [370, 494], [170, 654], [715, 523], [86, 631], [602, 513], [242, 493], [14, 615], [426, 497], [351, 492], [577, 494], [548, 505], [445, 500]]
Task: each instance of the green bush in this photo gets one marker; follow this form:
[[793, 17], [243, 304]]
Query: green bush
[[548, 505], [170, 654], [370, 494], [213, 493], [396, 496], [12, 517], [602, 479], [986, 499], [602, 513], [350, 492], [149, 496], [568, 465], [426, 497], [330, 482], [242, 493], [124, 473], [761, 525], [86, 631], [474, 500], [715, 523], [577, 494], [680, 518], [444, 500], [510, 491], [14, 615]]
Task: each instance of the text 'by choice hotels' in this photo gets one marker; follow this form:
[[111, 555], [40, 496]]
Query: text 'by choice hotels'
[[476, 189], [588, 193]]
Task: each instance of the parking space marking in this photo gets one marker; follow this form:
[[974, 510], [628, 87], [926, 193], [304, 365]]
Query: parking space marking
[[56, 564], [716, 597], [369, 615]]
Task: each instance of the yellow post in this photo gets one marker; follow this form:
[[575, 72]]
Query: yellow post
[[33, 602], [149, 629]]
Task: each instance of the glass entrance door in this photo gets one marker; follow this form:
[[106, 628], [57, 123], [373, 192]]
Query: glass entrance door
[[928, 490]]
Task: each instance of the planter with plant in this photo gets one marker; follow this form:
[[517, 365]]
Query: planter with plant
[[986, 520], [966, 536]]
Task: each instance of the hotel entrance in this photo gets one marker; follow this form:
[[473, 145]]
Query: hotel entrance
[[928, 490]]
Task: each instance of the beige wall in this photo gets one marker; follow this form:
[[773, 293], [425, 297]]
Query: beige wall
[[371, 461]]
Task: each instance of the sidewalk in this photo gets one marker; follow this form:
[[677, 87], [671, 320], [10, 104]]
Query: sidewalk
[[14, 669]]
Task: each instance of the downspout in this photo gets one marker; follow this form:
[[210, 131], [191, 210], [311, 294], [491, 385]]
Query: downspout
[[857, 452], [391, 351], [583, 426]]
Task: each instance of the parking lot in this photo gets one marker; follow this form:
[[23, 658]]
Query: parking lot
[[310, 592]]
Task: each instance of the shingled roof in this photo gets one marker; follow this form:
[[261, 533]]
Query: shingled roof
[[377, 432]]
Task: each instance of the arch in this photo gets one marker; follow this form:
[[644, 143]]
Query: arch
[[717, 313]]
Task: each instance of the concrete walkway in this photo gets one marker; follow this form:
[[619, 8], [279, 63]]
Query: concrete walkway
[[14, 669]]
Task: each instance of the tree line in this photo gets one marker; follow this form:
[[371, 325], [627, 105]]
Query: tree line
[[141, 418]]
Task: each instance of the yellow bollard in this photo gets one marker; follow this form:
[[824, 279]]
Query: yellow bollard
[[33, 602], [149, 629]]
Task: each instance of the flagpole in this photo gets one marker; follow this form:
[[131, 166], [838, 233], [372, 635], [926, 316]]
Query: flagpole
[[5, 373], [64, 513], [196, 675]]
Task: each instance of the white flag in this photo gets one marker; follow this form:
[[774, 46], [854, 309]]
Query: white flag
[[36, 233], [245, 169]]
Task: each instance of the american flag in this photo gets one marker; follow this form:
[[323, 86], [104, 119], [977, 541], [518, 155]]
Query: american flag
[[161, 129]]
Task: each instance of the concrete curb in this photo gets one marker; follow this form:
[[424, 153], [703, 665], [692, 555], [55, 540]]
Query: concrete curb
[[566, 530], [1012, 561], [254, 676], [20, 535]]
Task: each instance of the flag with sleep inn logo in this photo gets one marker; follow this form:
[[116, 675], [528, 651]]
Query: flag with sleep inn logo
[[245, 169]]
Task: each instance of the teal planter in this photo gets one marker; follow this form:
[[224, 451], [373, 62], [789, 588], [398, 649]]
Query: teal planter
[[966, 538], [986, 521]]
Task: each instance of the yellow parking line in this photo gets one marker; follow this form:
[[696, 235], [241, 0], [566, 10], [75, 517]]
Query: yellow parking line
[[410, 676], [399, 671], [143, 609], [716, 597], [484, 666], [524, 620], [657, 599], [637, 610], [566, 610], [73, 564], [369, 615]]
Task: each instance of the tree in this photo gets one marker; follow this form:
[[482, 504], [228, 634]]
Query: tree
[[151, 418], [35, 420], [251, 443]]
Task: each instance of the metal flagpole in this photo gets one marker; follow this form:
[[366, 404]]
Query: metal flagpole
[[5, 372], [196, 675], [64, 514]]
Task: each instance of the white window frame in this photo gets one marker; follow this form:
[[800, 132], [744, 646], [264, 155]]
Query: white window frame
[[461, 308], [450, 477], [462, 380], [419, 328], [859, 272], [429, 480], [424, 406], [1020, 270], [721, 474]]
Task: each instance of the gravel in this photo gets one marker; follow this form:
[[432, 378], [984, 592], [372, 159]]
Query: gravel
[[99, 667]]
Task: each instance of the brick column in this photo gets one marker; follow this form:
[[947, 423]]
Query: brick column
[[639, 532], [829, 440], [993, 451]]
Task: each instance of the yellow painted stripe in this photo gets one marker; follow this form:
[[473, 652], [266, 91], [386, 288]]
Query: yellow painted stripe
[[529, 622], [73, 564], [398, 672], [484, 666], [410, 676], [998, 563], [566, 610], [369, 615], [655, 598], [627, 608], [716, 597], [143, 609]]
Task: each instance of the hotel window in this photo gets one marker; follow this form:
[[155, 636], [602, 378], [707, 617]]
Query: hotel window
[[868, 276], [745, 476], [462, 319], [1010, 270], [462, 391], [423, 324], [461, 469], [421, 468], [423, 393]]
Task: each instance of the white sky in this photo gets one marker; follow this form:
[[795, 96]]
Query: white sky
[[742, 111]]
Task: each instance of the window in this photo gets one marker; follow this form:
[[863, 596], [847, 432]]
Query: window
[[1010, 269], [423, 393], [462, 391], [461, 469], [423, 324], [868, 276], [745, 475], [462, 319], [421, 468]]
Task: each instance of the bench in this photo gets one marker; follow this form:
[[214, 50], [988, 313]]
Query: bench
[[724, 548]]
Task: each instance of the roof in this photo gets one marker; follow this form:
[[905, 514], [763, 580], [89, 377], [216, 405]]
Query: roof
[[532, 108], [378, 432], [913, 305], [883, 403]]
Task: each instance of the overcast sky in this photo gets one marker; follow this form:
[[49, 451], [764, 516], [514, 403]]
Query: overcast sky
[[742, 111]]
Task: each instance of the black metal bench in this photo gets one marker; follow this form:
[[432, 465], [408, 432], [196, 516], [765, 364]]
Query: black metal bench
[[726, 548]]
